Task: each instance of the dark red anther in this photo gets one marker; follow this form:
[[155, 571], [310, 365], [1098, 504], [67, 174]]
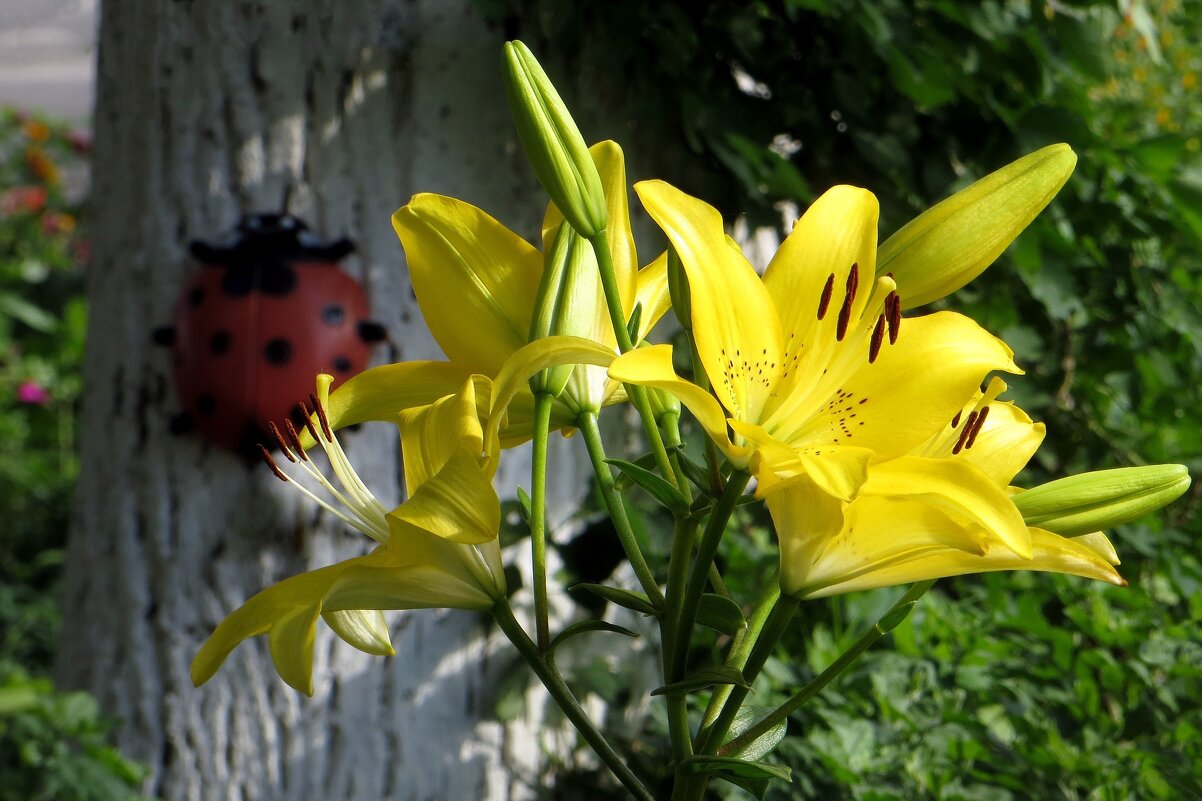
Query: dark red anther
[[878, 339], [956, 420], [976, 428], [295, 440], [853, 282], [279, 438], [308, 420], [321, 415], [844, 319], [271, 463], [893, 313], [824, 302], [964, 432]]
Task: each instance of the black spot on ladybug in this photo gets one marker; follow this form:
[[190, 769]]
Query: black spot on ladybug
[[277, 279], [371, 332], [333, 314], [196, 296], [219, 343], [278, 351], [163, 335], [238, 282], [342, 364], [181, 423], [206, 404]]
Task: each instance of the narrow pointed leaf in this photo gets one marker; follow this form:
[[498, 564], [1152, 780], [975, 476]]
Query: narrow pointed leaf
[[585, 626], [706, 677], [628, 599], [735, 767], [652, 484]]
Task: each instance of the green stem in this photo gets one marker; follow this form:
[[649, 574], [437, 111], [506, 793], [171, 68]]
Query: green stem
[[740, 650], [538, 516], [825, 677], [774, 626], [678, 715], [638, 395], [563, 696], [671, 424], [707, 549], [587, 423]]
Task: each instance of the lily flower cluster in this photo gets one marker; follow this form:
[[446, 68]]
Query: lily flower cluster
[[875, 437]]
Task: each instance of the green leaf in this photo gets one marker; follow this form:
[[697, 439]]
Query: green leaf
[[21, 309], [524, 504], [735, 767], [585, 626], [628, 599], [894, 617], [758, 748], [720, 613], [693, 471], [651, 483], [706, 677]]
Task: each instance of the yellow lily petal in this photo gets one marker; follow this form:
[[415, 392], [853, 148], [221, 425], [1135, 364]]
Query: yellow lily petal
[[260, 613], [380, 393], [290, 641], [365, 629], [806, 518], [736, 327], [529, 360], [912, 390], [458, 503], [895, 545], [956, 487], [652, 367], [951, 243], [1100, 544], [431, 435], [405, 587], [808, 278], [838, 470], [652, 295], [466, 266]]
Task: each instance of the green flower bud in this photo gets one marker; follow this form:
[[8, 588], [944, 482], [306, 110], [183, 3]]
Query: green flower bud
[[553, 142], [663, 403], [1101, 499], [953, 242], [566, 301]]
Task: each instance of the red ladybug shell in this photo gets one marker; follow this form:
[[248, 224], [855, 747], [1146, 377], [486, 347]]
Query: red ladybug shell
[[252, 334]]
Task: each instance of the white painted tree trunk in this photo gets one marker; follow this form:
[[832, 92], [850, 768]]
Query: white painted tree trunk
[[207, 110]]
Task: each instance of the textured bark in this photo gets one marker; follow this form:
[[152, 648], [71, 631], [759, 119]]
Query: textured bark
[[207, 110]]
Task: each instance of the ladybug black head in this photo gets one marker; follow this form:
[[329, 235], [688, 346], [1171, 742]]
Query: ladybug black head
[[269, 236]]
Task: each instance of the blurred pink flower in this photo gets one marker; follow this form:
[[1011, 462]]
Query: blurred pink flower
[[33, 393]]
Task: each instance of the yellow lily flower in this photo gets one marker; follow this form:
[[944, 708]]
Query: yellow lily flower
[[895, 533], [438, 549], [476, 283], [809, 366]]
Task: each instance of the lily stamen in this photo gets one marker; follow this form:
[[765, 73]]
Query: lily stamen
[[360, 508]]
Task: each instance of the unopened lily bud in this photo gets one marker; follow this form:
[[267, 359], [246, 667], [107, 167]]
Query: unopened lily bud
[[678, 291], [561, 307], [1094, 501], [553, 142], [663, 404], [953, 242]]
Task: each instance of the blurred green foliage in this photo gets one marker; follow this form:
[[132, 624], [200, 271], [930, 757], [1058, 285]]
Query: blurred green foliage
[[1005, 686], [52, 745]]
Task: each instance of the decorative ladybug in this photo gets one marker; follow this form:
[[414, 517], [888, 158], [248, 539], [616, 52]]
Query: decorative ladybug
[[268, 310]]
